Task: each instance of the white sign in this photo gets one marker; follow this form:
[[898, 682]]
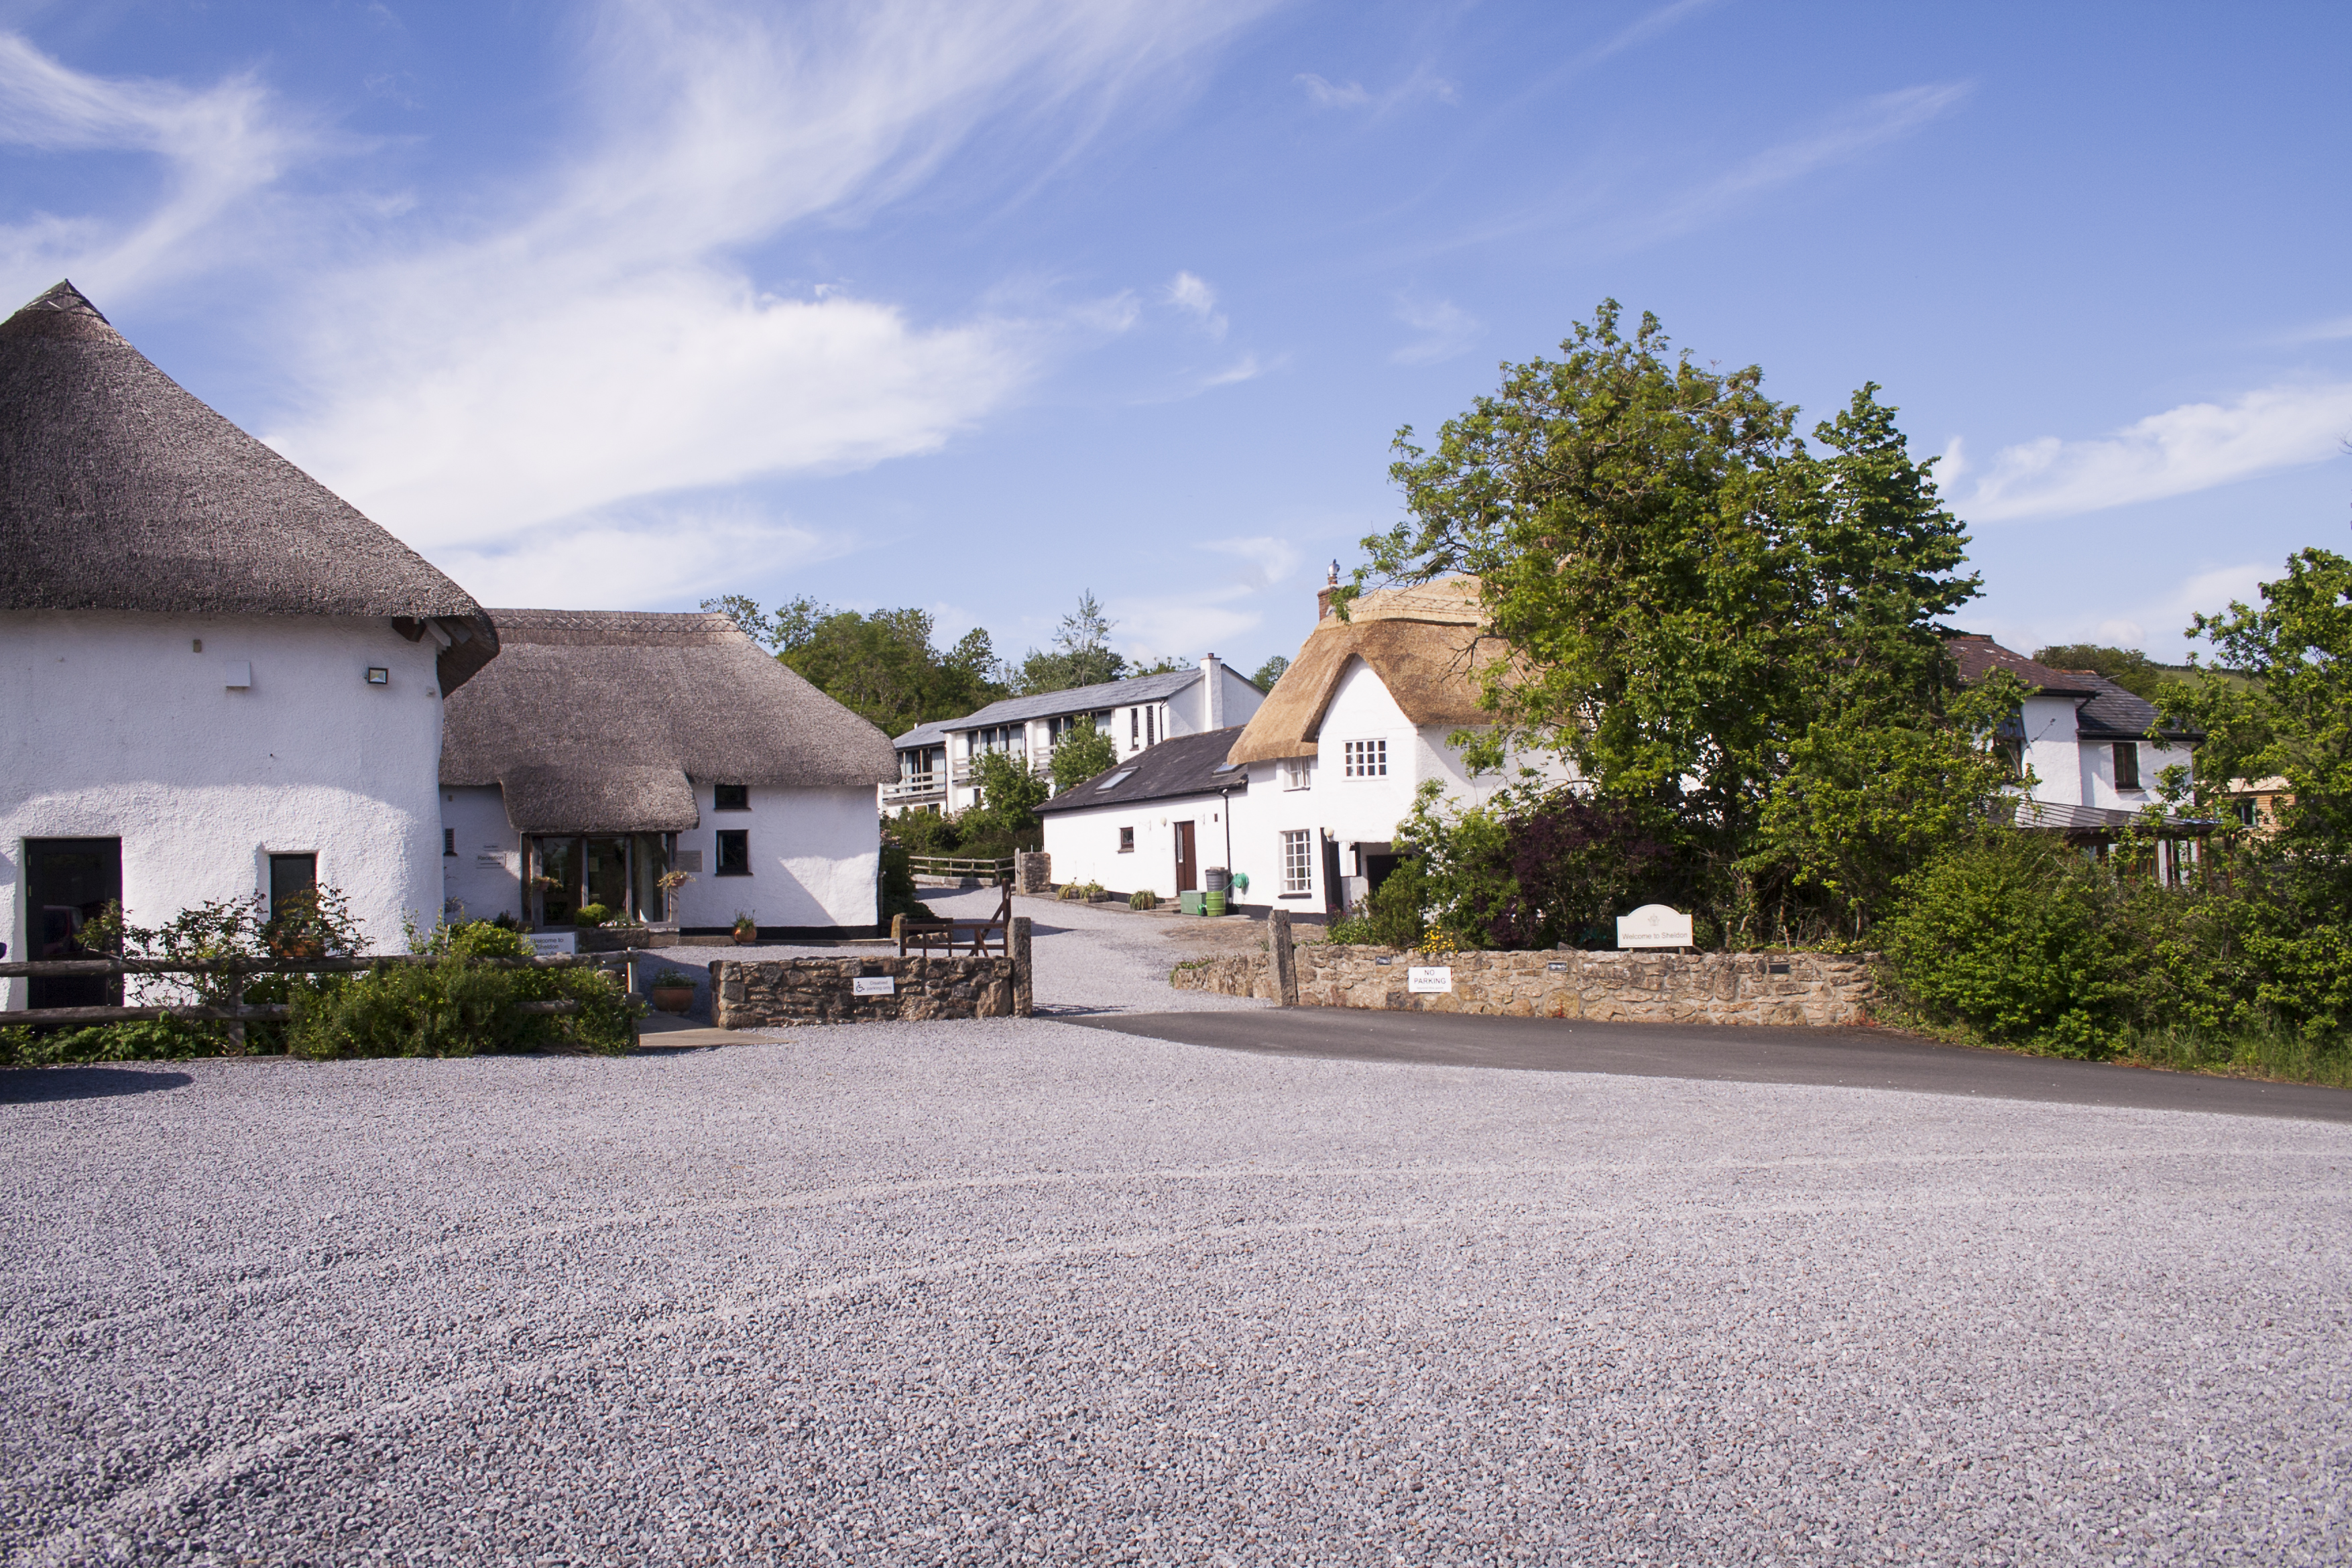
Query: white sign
[[1426, 981], [547, 943], [873, 986], [1654, 926]]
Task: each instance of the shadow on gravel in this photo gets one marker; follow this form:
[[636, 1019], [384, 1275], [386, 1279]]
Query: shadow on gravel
[[34, 1085]]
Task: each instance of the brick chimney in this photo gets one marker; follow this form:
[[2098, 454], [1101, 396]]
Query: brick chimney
[[1213, 674], [1323, 600]]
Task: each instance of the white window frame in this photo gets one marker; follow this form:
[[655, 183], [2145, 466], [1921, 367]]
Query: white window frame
[[1365, 759], [1296, 772], [1127, 841], [1298, 860]]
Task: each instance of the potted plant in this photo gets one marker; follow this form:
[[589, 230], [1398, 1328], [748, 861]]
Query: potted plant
[[590, 914], [746, 930], [672, 990]]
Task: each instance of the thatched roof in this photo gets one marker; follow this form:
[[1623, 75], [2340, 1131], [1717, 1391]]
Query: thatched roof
[[593, 721], [120, 490], [1423, 642]]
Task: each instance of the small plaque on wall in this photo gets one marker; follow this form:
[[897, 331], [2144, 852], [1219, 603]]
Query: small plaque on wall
[[1427, 981], [548, 943], [687, 860], [873, 986]]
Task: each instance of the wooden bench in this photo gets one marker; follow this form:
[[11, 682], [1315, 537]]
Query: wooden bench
[[973, 936]]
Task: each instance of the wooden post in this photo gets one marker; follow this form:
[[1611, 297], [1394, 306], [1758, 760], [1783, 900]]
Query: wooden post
[[1025, 992], [1285, 958], [899, 933]]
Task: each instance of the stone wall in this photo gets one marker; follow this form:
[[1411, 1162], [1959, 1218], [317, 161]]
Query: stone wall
[[1653, 986], [748, 995], [1032, 872]]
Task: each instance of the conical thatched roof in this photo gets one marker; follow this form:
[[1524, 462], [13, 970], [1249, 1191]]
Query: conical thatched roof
[[121, 491], [1423, 642], [593, 721]]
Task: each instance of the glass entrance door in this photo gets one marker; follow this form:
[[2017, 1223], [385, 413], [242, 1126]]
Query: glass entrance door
[[555, 881], [69, 883], [607, 868]]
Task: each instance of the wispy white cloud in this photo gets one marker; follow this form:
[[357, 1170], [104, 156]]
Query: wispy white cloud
[[1445, 330], [1863, 130], [2330, 332], [650, 554], [1643, 29], [1271, 560], [222, 147], [2193, 447], [1324, 94], [601, 339], [1248, 368], [1191, 294]]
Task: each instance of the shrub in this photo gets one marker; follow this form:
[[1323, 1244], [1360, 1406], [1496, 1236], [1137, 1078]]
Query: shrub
[[457, 1006], [591, 914], [671, 978], [1083, 891], [1144, 899], [897, 884], [2005, 937], [135, 1040]]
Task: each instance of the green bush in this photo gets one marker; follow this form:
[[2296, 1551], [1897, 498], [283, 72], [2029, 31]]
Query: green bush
[[1146, 899], [591, 914], [898, 885], [137, 1040], [457, 1006], [2008, 937]]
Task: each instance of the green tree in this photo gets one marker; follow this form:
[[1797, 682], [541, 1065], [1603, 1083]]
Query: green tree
[[882, 665], [1007, 817], [1693, 606], [1269, 673], [1083, 752], [1081, 654]]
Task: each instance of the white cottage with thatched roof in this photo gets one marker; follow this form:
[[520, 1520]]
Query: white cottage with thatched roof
[[607, 749], [1306, 799], [222, 679]]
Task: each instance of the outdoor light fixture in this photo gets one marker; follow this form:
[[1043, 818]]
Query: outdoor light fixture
[[378, 675]]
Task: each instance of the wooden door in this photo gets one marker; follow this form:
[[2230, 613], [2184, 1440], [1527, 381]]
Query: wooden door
[[1188, 876]]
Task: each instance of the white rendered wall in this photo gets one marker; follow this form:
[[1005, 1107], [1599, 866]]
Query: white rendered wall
[[117, 728], [2052, 751], [2098, 773], [484, 878], [815, 858], [1083, 844]]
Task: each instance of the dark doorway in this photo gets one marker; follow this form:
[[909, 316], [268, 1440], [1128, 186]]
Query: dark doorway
[[1188, 876], [1335, 896], [69, 883], [1376, 868]]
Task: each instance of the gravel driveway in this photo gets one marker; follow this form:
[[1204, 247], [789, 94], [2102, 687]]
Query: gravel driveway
[[1022, 1291]]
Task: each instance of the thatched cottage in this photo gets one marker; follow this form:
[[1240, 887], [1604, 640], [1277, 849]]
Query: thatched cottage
[[1308, 794], [606, 749], [222, 679]]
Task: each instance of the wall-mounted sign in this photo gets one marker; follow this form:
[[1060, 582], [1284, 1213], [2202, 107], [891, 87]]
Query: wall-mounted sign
[[1426, 982], [873, 986], [1654, 926], [547, 943], [1557, 968]]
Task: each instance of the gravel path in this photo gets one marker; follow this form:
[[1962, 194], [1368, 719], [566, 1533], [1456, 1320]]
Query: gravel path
[[1020, 1292]]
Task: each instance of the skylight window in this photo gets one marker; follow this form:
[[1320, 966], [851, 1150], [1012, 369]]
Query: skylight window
[[1122, 777]]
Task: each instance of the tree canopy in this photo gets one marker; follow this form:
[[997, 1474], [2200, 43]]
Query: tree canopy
[[1081, 654], [881, 665], [1732, 629]]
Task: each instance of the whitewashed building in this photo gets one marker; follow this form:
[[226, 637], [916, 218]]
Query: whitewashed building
[[1305, 800], [2094, 751], [607, 749], [222, 680], [937, 761]]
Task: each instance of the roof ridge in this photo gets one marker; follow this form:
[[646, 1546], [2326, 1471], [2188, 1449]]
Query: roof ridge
[[63, 295]]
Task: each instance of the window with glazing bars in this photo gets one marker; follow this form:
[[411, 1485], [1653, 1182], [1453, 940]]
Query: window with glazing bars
[[1367, 759], [1297, 862]]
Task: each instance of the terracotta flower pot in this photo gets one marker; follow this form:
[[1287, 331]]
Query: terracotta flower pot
[[673, 998], [745, 936]]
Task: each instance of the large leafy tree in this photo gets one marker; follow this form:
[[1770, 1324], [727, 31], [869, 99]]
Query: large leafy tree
[[1083, 752], [1715, 623], [882, 665]]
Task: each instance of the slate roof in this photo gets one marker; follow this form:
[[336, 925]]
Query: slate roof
[[1978, 656], [593, 721], [121, 491], [2117, 715], [1186, 765], [1134, 690], [934, 733]]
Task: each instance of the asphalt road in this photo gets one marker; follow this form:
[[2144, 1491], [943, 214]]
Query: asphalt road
[[1826, 1058]]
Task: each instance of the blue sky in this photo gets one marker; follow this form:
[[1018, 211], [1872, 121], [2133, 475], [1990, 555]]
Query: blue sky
[[972, 308]]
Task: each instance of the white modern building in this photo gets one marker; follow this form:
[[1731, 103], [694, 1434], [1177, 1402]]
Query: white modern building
[[2092, 751], [1305, 800], [937, 761], [606, 749], [222, 681]]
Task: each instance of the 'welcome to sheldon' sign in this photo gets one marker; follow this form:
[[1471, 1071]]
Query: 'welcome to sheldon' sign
[[1654, 926]]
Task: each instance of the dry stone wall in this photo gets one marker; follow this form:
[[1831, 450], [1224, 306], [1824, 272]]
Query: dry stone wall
[[1815, 989], [748, 995]]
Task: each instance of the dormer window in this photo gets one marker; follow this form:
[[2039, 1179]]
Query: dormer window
[[730, 797]]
